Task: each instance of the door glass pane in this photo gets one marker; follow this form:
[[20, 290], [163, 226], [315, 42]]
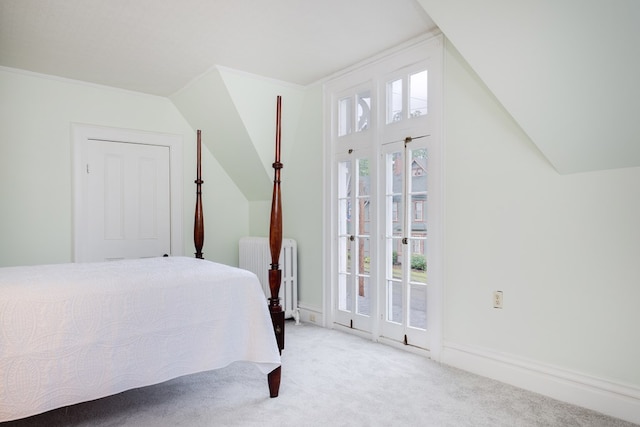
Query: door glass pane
[[395, 271], [394, 101], [345, 116], [418, 306], [418, 260], [396, 225], [394, 301], [344, 292], [344, 198], [364, 256], [363, 197], [391, 261], [394, 168], [363, 111], [418, 283], [419, 170], [364, 296], [343, 254], [418, 216], [418, 94], [344, 179], [364, 178], [343, 208], [348, 259], [364, 217], [418, 193]]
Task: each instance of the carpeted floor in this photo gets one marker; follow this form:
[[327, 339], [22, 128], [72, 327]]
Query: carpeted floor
[[329, 379]]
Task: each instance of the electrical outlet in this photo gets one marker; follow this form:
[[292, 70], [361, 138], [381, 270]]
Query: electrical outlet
[[312, 317], [497, 299]]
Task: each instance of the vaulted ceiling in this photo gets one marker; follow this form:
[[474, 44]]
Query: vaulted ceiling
[[567, 71]]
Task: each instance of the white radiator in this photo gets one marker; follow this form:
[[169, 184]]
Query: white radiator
[[255, 256]]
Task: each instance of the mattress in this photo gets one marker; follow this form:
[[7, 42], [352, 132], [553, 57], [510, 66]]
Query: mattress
[[76, 332]]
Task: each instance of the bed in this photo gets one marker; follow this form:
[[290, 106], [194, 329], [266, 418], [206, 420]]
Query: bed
[[70, 333]]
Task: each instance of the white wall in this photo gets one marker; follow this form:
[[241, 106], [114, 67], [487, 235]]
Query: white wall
[[564, 249], [302, 179], [36, 113]]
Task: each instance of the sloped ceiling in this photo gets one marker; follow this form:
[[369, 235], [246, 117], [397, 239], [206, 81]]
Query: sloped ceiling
[[567, 71], [159, 46], [237, 116], [208, 106]]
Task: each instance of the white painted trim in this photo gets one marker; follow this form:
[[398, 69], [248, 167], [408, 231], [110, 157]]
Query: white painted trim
[[357, 332], [607, 397], [409, 348], [311, 315], [379, 57], [80, 133], [382, 340]]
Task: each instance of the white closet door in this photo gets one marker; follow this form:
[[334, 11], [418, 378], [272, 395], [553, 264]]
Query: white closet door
[[128, 201]]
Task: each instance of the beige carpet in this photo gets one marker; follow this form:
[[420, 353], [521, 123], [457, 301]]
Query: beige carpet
[[329, 379]]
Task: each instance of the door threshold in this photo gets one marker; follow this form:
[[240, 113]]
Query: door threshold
[[383, 340], [410, 348]]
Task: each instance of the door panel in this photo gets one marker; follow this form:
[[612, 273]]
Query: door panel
[[405, 286], [354, 302], [128, 200]]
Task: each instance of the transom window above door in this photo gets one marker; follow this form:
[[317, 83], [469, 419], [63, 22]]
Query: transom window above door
[[354, 113], [407, 97]]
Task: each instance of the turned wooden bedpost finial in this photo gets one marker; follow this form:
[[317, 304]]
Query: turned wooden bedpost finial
[[198, 227]]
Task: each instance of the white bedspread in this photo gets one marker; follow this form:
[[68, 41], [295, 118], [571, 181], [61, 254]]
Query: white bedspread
[[76, 332]]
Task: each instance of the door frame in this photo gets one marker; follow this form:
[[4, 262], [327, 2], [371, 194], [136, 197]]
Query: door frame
[[80, 135], [427, 49]]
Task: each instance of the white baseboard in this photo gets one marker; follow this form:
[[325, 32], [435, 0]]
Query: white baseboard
[[311, 315], [610, 398]]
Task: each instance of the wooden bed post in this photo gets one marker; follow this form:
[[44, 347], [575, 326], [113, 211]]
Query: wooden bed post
[[275, 245], [198, 226]]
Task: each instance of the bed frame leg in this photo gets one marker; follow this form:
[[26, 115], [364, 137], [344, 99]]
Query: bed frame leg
[[274, 381], [277, 318]]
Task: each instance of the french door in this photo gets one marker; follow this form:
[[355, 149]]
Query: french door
[[385, 198], [355, 303], [405, 285]]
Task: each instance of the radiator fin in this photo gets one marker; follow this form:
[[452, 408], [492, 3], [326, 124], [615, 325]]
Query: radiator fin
[[255, 256]]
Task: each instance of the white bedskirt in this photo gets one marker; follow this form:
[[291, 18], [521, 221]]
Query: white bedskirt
[[76, 332]]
